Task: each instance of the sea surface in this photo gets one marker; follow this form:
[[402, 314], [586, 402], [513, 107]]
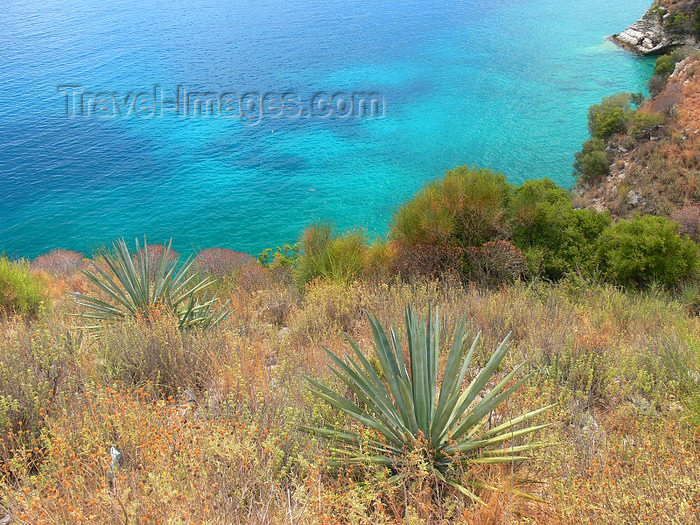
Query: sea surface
[[503, 84]]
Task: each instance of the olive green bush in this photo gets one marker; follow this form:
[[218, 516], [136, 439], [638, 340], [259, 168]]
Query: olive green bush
[[644, 250], [592, 162], [21, 293], [641, 124], [474, 225], [547, 224], [665, 66], [610, 116], [466, 207], [326, 255]]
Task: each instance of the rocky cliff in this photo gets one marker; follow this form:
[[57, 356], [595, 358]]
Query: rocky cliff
[[666, 25], [657, 172]]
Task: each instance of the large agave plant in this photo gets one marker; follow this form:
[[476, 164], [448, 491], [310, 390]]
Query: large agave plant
[[404, 406], [134, 288]]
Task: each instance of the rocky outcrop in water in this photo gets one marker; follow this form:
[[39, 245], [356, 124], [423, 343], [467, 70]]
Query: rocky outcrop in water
[[660, 30]]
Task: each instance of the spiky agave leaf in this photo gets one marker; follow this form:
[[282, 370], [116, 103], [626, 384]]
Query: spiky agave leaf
[[133, 289], [409, 406]]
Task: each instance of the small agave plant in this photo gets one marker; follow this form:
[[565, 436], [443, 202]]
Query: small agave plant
[[135, 289], [407, 406]]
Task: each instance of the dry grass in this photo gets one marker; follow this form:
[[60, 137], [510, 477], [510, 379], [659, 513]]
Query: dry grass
[[207, 423]]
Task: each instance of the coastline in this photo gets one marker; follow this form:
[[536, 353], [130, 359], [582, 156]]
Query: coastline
[[660, 30]]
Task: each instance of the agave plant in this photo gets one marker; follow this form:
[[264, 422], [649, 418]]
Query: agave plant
[[135, 289], [403, 407]]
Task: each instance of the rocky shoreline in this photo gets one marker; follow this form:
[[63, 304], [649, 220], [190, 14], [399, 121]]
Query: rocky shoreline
[[651, 36]]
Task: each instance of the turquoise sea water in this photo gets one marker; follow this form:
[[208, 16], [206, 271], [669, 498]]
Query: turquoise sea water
[[503, 84]]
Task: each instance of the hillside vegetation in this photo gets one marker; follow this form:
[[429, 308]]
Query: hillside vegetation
[[139, 390], [651, 163], [207, 423], [544, 366]]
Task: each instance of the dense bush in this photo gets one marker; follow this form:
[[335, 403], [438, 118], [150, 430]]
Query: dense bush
[[473, 225], [326, 255], [646, 249], [380, 260], [665, 66], [641, 124], [464, 208], [610, 116], [546, 223], [592, 162], [614, 115], [20, 291], [527, 196], [440, 230], [552, 238]]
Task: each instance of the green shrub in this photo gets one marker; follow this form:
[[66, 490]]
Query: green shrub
[[644, 250], [530, 193], [665, 65], [323, 254], [592, 162], [641, 123], [696, 24], [20, 292], [466, 207], [284, 256], [678, 22], [637, 99], [610, 116], [380, 260], [546, 224]]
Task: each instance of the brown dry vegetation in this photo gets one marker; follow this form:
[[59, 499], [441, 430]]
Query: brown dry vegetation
[[207, 422]]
